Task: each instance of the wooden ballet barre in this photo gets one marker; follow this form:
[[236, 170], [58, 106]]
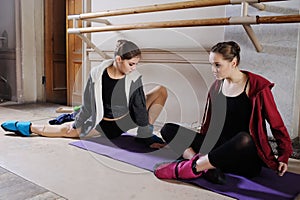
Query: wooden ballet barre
[[163, 7], [279, 19], [191, 23]]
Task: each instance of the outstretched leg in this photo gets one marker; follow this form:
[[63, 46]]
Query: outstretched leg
[[26, 128], [63, 130]]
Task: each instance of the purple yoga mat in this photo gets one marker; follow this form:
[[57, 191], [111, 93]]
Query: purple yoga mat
[[267, 186]]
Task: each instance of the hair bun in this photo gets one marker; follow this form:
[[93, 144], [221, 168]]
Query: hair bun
[[126, 49], [120, 43], [235, 46]]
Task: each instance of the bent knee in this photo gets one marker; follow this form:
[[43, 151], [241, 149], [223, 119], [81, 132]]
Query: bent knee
[[245, 138], [163, 91]]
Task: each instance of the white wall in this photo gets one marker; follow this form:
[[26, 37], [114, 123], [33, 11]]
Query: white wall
[[7, 21], [277, 62], [7, 51], [187, 81], [296, 109], [32, 30], [159, 38], [25, 74]]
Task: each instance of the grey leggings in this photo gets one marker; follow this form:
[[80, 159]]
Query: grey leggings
[[237, 155]]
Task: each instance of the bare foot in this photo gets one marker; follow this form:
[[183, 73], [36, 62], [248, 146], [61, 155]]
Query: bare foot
[[188, 153], [157, 145]]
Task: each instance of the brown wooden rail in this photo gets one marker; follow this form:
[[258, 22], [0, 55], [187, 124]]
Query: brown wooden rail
[[192, 23], [164, 7]]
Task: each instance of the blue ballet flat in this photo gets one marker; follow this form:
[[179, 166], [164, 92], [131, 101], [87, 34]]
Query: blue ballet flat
[[10, 126], [24, 128], [20, 128]]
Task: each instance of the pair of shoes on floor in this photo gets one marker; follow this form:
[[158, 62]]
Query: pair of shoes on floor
[[20, 128], [186, 169]]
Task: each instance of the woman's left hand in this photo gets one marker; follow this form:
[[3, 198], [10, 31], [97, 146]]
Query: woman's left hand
[[282, 168]]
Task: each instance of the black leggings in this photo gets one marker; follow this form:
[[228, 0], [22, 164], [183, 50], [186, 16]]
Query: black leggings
[[113, 129], [237, 155]]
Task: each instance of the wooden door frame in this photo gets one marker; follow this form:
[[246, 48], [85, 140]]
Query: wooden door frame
[[74, 56], [55, 57]]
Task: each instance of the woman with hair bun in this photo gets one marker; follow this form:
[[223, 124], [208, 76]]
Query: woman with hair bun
[[113, 103], [239, 104]]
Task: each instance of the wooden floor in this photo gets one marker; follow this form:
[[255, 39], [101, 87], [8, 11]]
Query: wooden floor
[[49, 168], [13, 187]]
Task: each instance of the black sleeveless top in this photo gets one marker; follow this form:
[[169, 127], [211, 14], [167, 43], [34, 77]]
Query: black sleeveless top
[[238, 113], [113, 96]]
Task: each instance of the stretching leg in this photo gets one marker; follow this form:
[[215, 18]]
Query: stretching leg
[[63, 130]]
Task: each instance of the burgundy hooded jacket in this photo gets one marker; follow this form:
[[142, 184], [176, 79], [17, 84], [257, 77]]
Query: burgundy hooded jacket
[[263, 110]]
